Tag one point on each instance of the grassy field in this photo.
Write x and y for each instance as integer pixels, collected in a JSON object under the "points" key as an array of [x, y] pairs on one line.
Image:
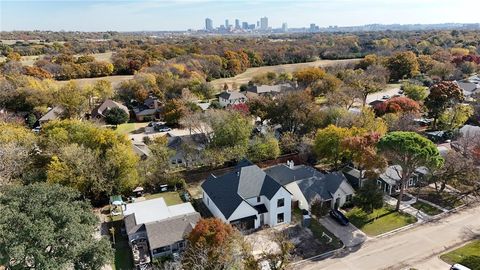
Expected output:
{"points": [[251, 72], [29, 60], [115, 80], [380, 221], [468, 255], [427, 208], [171, 198]]}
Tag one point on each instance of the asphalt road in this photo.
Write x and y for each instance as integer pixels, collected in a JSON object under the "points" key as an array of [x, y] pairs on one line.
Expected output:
{"points": [[418, 247]]}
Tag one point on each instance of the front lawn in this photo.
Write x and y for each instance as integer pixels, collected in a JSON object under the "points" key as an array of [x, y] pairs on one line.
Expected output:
{"points": [[442, 199], [171, 197], [129, 127], [380, 221], [426, 208], [468, 255]]}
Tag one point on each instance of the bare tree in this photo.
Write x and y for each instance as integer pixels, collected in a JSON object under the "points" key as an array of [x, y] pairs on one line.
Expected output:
{"points": [[13, 161]]}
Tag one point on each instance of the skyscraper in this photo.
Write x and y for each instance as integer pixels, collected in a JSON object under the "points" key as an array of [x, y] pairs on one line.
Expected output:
{"points": [[264, 23], [208, 24], [284, 27], [245, 25], [237, 24], [226, 24]]}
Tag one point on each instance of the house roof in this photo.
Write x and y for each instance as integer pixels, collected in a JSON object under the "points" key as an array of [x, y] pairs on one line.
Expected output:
{"points": [[107, 105], [468, 87], [264, 89], [230, 190], [470, 131], [171, 230], [285, 175], [141, 149], [175, 142], [53, 114], [324, 186], [232, 95], [145, 112], [154, 210]]}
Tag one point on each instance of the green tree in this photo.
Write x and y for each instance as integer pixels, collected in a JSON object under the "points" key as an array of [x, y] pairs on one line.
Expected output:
{"points": [[74, 146], [174, 111], [116, 116], [410, 151], [455, 117], [46, 226], [415, 91], [263, 148], [73, 99], [367, 82], [442, 96], [369, 197], [231, 129]]}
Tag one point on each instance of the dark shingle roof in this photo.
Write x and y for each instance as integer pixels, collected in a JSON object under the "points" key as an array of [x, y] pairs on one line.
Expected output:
{"points": [[285, 175], [322, 186], [171, 230], [229, 190]]}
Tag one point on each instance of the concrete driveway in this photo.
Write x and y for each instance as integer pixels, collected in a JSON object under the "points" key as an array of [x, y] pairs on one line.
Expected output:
{"points": [[350, 235]]}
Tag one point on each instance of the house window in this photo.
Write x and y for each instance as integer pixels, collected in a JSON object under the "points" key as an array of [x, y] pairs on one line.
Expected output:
{"points": [[208, 201], [161, 250], [258, 199], [280, 218], [181, 244], [280, 202], [349, 198]]}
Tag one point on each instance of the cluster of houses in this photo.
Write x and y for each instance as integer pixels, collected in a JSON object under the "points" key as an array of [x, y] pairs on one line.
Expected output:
{"points": [[230, 98]]}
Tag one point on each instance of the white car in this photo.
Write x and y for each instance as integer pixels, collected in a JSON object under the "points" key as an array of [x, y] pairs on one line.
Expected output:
{"points": [[386, 97]]}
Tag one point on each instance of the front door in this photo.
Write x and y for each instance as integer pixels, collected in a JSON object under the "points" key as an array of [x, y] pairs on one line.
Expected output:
{"points": [[337, 203], [262, 219]]}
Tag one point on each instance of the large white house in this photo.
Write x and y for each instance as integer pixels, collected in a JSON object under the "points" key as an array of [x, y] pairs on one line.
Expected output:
{"points": [[247, 198], [230, 98]]}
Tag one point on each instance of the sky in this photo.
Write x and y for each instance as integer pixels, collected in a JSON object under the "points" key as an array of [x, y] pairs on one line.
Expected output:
{"points": [[161, 15]]}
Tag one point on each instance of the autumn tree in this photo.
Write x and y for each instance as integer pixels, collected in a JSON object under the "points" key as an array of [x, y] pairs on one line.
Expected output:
{"points": [[46, 226], [73, 99], [367, 82], [442, 96], [409, 151], [328, 143], [259, 106], [455, 117], [279, 260], [397, 105], [231, 129], [214, 244], [116, 116], [402, 65], [174, 111]]}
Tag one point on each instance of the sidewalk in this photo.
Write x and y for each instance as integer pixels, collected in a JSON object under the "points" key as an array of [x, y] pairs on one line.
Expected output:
{"points": [[407, 208]]}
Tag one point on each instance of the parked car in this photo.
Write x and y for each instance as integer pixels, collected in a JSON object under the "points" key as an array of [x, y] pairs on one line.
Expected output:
{"points": [[162, 128], [386, 97], [458, 266], [36, 129], [401, 92], [339, 217]]}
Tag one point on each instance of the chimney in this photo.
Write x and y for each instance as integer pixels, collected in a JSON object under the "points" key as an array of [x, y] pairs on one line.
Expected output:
{"points": [[290, 164]]}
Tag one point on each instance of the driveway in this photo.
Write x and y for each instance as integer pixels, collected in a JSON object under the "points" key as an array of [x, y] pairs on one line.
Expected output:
{"points": [[379, 95], [410, 248], [350, 235]]}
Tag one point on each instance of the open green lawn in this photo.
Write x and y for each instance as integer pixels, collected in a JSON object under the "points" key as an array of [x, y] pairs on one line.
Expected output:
{"points": [[468, 255], [129, 127], [171, 198], [427, 208], [380, 221]]}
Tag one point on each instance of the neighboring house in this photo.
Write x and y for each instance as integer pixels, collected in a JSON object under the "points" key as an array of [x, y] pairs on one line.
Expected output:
{"points": [[229, 98], [54, 113], [149, 110], [156, 230], [353, 177], [308, 185], [247, 198], [469, 88], [268, 90], [188, 148], [101, 110], [389, 181], [141, 149], [468, 139]]}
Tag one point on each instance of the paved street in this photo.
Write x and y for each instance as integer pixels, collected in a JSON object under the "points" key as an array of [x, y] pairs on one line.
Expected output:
{"points": [[417, 247]]}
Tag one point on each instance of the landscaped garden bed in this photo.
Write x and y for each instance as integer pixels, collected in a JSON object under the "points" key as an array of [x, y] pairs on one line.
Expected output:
{"points": [[443, 199], [379, 221]]}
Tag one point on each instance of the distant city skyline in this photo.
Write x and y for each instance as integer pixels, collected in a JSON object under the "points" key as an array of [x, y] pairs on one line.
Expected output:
{"points": [[141, 15]]}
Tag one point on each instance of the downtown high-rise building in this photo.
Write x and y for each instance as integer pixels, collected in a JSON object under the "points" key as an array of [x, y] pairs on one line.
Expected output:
{"points": [[237, 24], [284, 27], [264, 23], [208, 24], [227, 25]]}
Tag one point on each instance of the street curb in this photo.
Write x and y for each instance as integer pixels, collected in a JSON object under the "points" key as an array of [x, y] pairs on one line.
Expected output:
{"points": [[323, 256]]}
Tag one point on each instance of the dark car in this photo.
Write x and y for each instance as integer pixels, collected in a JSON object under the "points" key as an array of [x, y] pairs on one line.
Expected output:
{"points": [[339, 217]]}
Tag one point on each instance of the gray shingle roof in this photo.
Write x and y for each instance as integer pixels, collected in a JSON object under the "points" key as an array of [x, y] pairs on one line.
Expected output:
{"points": [[232, 95], [171, 230], [322, 186], [108, 104], [285, 175], [229, 190]]}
